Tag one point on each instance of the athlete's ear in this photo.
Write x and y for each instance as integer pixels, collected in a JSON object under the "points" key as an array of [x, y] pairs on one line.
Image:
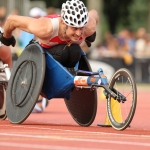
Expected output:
{"points": [[62, 22], [64, 26]]}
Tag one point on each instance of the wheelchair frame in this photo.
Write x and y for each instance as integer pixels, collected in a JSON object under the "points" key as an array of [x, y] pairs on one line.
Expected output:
{"points": [[82, 111], [4, 78]]}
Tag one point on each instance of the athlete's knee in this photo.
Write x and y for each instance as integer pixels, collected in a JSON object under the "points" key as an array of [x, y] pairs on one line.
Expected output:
{"points": [[59, 53], [68, 56], [74, 55]]}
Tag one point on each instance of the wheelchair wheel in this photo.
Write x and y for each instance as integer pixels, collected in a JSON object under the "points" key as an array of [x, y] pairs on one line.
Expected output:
{"points": [[121, 112], [82, 104], [25, 83], [3, 115]]}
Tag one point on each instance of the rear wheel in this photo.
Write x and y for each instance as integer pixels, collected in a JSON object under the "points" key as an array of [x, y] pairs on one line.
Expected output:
{"points": [[121, 111]]}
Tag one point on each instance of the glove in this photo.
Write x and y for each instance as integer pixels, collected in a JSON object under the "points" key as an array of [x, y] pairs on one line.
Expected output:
{"points": [[90, 39], [7, 41], [88, 43]]}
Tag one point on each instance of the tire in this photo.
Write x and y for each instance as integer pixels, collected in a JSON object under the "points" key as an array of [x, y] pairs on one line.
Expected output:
{"points": [[82, 104], [25, 84], [122, 81]]}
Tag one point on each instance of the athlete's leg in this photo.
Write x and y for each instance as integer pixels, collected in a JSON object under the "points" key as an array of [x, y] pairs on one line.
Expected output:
{"points": [[68, 56], [74, 55], [40, 105], [59, 53]]}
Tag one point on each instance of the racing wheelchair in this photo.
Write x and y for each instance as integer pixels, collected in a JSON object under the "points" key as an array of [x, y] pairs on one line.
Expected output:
{"points": [[4, 78], [37, 72]]}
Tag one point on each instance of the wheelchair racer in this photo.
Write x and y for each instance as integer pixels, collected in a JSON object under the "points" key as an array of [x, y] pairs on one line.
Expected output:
{"points": [[61, 35]]}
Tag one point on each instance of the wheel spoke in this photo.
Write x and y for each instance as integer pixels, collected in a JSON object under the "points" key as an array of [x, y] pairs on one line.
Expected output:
{"points": [[123, 83]]}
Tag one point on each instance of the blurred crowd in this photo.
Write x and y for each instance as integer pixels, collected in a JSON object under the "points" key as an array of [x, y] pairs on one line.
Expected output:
{"points": [[126, 45]]}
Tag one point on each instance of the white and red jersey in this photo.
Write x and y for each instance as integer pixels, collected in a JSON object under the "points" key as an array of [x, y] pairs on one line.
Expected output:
{"points": [[55, 40]]}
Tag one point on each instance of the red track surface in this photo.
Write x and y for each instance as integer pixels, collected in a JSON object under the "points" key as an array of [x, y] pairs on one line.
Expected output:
{"points": [[56, 130]]}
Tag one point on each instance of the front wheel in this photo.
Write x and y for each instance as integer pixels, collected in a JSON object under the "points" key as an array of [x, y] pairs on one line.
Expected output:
{"points": [[121, 111]]}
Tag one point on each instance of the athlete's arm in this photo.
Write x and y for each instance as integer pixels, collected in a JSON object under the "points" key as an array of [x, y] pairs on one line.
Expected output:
{"points": [[41, 28], [90, 27]]}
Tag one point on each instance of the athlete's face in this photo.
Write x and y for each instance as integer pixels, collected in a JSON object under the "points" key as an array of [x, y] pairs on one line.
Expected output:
{"points": [[73, 33]]}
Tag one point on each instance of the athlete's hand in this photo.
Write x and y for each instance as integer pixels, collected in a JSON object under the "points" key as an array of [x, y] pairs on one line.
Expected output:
{"points": [[7, 41], [90, 39]]}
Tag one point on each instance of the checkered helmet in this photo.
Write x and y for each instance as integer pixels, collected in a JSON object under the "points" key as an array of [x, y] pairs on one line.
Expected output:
{"points": [[74, 13]]}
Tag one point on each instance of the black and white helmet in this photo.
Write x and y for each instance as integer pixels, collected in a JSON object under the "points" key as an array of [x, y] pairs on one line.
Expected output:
{"points": [[74, 13]]}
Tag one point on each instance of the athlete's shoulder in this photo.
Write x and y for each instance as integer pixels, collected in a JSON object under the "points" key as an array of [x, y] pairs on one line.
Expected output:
{"points": [[53, 16]]}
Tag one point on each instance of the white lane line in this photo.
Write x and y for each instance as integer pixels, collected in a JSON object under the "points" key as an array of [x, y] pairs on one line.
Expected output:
{"points": [[61, 138], [76, 131], [41, 146]]}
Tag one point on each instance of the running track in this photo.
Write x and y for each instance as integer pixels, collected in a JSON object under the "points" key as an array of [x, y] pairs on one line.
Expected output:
{"points": [[56, 130]]}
